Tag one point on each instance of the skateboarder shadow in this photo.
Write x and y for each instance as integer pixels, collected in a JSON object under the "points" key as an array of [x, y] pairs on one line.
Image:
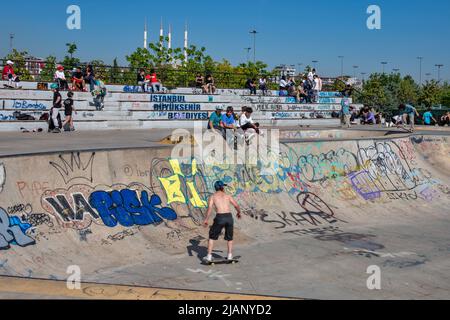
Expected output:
{"points": [[201, 251]]}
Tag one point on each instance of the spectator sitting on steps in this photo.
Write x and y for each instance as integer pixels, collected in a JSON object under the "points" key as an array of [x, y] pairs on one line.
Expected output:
{"points": [[60, 78], [229, 125], [78, 80], [215, 121], [89, 77], [445, 120], [141, 80], [209, 86], [9, 75], [251, 85], [154, 83], [200, 81]]}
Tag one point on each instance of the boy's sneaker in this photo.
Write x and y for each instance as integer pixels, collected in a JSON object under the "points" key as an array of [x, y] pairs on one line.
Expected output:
{"points": [[230, 257], [56, 130], [208, 258]]}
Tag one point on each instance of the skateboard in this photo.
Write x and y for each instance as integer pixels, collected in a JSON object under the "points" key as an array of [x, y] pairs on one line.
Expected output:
{"points": [[220, 261], [11, 87]]}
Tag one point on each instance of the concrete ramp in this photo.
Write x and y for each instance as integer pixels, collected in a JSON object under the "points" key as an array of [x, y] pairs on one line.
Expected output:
{"points": [[311, 230]]}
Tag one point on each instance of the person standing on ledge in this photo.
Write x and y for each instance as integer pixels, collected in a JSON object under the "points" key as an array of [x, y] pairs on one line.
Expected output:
{"points": [[224, 219]]}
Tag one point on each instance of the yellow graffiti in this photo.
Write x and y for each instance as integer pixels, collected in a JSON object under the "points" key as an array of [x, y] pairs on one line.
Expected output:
{"points": [[172, 186]]}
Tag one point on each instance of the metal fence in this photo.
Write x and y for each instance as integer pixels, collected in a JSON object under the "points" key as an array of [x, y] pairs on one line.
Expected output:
{"points": [[170, 76]]}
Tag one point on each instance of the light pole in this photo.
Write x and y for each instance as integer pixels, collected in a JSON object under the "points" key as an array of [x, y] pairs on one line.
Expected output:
{"points": [[439, 66], [396, 70], [420, 69], [254, 32], [363, 74], [11, 39], [384, 63], [248, 53], [299, 68], [428, 75], [315, 63], [354, 71], [342, 66]]}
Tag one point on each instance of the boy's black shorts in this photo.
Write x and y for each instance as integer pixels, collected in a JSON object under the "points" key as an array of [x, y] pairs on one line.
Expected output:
{"points": [[222, 221]]}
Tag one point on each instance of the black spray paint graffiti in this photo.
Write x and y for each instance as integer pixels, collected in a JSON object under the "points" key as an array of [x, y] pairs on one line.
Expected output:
{"points": [[316, 213], [12, 231], [66, 212], [75, 169]]}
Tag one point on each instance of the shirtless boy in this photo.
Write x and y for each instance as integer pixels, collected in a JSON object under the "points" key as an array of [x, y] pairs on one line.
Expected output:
{"points": [[224, 219]]}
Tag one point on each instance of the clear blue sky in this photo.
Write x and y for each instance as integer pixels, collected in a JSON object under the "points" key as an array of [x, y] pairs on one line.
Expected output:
{"points": [[298, 31]]}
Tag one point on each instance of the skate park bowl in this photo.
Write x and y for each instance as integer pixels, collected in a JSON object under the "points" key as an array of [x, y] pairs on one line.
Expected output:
{"points": [[330, 207]]}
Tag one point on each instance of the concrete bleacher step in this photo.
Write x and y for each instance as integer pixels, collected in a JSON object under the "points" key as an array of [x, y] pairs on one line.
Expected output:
{"points": [[180, 108]]}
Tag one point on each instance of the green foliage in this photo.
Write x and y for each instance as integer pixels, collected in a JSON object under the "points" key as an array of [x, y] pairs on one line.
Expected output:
{"points": [[431, 93], [70, 61], [18, 57], [100, 69], [115, 76], [408, 91], [49, 69]]}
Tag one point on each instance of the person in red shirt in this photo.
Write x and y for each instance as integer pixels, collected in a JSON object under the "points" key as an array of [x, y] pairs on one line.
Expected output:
{"points": [[154, 82], [9, 75]]}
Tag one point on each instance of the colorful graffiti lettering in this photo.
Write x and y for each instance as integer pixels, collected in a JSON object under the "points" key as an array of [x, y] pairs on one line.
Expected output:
{"points": [[124, 207]]}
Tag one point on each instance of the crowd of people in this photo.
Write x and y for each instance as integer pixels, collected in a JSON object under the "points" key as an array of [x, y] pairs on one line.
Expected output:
{"points": [[229, 124], [307, 91]]}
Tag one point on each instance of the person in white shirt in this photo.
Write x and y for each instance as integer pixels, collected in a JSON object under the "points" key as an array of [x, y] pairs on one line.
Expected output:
{"points": [[60, 78], [317, 87], [311, 75], [263, 85], [246, 121], [283, 84]]}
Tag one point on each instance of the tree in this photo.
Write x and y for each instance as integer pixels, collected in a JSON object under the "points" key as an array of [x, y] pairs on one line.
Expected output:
{"points": [[48, 71], [18, 57], [71, 49], [69, 61], [430, 94], [99, 69], [409, 91]]}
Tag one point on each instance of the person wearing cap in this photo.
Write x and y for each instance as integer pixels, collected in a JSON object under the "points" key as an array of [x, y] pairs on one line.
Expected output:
{"points": [[215, 121], [60, 78], [9, 75], [224, 219], [54, 111]]}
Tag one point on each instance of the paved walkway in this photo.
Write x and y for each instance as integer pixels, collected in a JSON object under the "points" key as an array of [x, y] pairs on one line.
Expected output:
{"points": [[20, 288]]}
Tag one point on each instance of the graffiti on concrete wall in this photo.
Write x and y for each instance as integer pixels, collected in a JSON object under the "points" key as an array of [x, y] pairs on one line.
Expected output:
{"points": [[127, 208], [74, 168], [13, 231]]}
